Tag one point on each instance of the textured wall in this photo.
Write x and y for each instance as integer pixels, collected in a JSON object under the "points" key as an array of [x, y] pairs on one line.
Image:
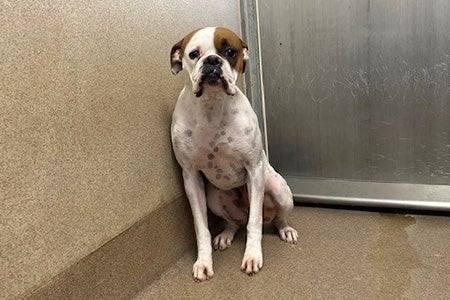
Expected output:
{"points": [[86, 96]]}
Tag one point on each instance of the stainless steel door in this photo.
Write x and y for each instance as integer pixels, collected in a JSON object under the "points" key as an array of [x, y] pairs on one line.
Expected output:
{"points": [[358, 89]]}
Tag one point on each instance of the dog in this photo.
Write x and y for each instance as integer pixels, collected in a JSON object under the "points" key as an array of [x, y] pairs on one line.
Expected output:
{"points": [[215, 135]]}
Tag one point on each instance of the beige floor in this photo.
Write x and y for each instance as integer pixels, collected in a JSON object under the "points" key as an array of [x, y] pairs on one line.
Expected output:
{"points": [[341, 255]]}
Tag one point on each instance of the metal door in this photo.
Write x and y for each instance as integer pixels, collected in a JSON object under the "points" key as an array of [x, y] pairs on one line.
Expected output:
{"points": [[357, 98]]}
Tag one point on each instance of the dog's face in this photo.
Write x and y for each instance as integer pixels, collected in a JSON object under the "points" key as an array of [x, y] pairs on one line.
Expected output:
{"points": [[213, 56]]}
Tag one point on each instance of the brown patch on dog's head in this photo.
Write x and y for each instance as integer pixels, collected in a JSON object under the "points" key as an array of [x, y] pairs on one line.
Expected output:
{"points": [[177, 52], [231, 47]]}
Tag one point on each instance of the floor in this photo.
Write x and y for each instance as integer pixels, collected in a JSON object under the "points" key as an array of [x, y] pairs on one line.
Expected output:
{"points": [[342, 254]]}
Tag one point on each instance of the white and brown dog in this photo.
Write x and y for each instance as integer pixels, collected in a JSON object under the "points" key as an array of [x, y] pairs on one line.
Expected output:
{"points": [[215, 132]]}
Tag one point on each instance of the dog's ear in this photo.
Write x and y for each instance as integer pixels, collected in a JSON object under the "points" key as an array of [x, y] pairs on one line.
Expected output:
{"points": [[246, 56], [176, 58]]}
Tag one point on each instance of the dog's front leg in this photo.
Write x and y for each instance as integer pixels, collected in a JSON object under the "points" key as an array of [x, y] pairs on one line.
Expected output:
{"points": [[195, 191], [253, 259]]}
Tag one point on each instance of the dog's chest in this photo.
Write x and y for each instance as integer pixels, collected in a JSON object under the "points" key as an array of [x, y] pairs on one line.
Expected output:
{"points": [[219, 137], [218, 153], [218, 148]]}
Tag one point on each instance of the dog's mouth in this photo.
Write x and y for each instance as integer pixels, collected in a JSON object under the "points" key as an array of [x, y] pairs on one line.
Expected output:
{"points": [[213, 77]]}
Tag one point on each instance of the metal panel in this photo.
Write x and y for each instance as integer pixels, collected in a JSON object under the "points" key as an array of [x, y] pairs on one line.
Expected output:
{"points": [[358, 89], [373, 194], [253, 74]]}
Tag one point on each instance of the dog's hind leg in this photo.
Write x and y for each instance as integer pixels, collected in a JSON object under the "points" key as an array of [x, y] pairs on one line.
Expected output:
{"points": [[226, 204], [276, 186]]}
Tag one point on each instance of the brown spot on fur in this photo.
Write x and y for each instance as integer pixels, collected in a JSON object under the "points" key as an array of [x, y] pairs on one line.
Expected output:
{"points": [[242, 199], [226, 212], [224, 39], [269, 209], [238, 203], [177, 64], [229, 216]]}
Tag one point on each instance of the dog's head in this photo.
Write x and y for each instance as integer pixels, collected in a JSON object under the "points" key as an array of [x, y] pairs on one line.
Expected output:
{"points": [[213, 56]]}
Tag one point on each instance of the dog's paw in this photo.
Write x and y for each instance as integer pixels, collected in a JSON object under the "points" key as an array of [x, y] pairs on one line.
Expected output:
{"points": [[252, 263], [202, 270], [223, 240], [288, 234]]}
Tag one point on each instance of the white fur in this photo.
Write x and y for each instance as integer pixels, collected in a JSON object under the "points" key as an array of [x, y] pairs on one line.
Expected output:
{"points": [[218, 134]]}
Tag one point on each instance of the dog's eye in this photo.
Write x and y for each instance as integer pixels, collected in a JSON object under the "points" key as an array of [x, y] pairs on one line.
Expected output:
{"points": [[194, 54], [231, 53]]}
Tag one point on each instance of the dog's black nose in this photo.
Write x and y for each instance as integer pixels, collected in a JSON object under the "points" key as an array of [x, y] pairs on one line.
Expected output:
{"points": [[213, 60]]}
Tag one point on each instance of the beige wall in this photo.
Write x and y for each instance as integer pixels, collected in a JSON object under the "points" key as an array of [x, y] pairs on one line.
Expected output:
{"points": [[86, 96]]}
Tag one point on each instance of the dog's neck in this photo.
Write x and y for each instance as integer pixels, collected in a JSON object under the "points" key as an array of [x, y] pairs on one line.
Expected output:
{"points": [[213, 106]]}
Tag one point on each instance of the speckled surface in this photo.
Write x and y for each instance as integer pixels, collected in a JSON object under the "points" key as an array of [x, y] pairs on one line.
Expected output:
{"points": [[86, 97], [124, 265], [340, 255]]}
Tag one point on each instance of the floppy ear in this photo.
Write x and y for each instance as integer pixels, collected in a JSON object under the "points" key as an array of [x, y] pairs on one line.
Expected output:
{"points": [[246, 56], [175, 58]]}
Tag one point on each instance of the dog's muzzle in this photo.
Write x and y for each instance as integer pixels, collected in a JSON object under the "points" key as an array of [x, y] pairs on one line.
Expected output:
{"points": [[212, 70], [212, 74]]}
